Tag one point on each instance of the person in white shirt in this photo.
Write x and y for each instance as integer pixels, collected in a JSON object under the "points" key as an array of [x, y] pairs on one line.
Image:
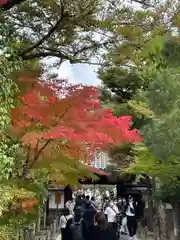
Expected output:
{"points": [[63, 221], [111, 212], [130, 212]]}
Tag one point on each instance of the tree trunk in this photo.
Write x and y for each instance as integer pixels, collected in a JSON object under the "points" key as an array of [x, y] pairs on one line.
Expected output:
{"points": [[160, 218], [176, 220], [161, 213], [150, 223]]}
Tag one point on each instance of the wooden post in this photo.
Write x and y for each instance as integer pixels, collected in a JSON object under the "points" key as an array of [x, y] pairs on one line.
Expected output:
{"points": [[45, 215]]}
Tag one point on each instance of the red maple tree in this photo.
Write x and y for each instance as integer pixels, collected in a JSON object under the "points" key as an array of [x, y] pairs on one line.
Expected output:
{"points": [[68, 118]]}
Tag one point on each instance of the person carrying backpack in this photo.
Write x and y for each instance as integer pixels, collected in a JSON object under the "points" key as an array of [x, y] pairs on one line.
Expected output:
{"points": [[89, 215], [76, 227], [102, 230]]}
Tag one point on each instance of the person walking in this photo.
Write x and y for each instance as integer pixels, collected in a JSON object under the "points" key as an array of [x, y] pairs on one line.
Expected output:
{"points": [[102, 230], [130, 211], [76, 228], [123, 219], [89, 215], [63, 222], [121, 205], [111, 213]]}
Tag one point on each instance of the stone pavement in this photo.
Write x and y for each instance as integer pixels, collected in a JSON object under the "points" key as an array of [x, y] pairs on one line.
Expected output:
{"points": [[123, 237]]}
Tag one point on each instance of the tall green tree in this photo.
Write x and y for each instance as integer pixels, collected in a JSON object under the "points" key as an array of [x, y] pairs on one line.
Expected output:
{"points": [[136, 51], [160, 160], [61, 29], [77, 30]]}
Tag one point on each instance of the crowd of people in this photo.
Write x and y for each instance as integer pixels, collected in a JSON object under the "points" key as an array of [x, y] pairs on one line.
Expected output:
{"points": [[82, 220]]}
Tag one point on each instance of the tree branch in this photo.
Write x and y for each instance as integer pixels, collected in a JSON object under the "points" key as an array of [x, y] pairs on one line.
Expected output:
{"points": [[143, 2], [39, 153], [43, 39], [36, 149], [39, 55], [25, 165], [50, 52], [48, 141], [66, 110], [92, 46], [10, 138]]}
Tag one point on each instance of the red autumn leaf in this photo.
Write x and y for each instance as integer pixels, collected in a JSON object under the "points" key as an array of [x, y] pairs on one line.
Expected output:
{"points": [[71, 114]]}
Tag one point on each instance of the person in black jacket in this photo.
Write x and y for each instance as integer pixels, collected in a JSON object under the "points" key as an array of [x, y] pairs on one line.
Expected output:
{"points": [[130, 212], [101, 230], [89, 215], [76, 227]]}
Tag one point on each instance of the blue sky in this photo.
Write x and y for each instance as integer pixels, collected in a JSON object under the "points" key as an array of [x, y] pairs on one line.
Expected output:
{"points": [[79, 73]]}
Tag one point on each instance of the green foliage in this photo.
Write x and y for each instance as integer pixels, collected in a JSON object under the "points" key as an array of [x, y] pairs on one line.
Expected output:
{"points": [[11, 152], [68, 33], [12, 192], [165, 171], [71, 27], [147, 163], [160, 156], [153, 47], [171, 52], [8, 90], [121, 81], [59, 169], [163, 100], [121, 156], [146, 87], [164, 92]]}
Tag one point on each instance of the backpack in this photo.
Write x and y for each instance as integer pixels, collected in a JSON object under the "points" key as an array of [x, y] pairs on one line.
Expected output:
{"points": [[77, 230]]}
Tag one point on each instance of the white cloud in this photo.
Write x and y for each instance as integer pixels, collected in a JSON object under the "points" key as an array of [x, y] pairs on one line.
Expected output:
{"points": [[78, 73], [65, 71]]}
